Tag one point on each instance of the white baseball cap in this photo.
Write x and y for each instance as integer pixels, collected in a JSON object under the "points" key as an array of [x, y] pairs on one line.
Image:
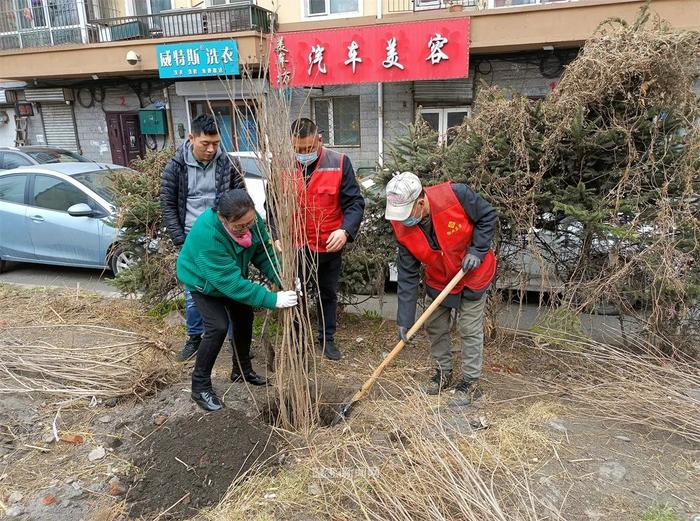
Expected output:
{"points": [[401, 192]]}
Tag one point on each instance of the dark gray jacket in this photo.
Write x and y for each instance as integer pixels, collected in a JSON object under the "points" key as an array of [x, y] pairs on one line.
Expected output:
{"points": [[485, 221], [173, 190]]}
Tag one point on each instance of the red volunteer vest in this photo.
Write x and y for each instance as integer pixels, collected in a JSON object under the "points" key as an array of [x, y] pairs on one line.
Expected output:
{"points": [[453, 230], [319, 201]]}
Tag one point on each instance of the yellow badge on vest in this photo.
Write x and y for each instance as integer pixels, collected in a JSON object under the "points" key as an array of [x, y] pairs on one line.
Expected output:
{"points": [[453, 227]]}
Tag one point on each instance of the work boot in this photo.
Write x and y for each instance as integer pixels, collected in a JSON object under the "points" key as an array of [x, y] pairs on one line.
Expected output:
{"points": [[245, 373], [438, 383], [329, 350], [191, 347], [465, 393], [208, 401]]}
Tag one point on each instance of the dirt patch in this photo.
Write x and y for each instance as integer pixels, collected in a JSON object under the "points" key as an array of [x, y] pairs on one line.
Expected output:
{"points": [[329, 400], [195, 460]]}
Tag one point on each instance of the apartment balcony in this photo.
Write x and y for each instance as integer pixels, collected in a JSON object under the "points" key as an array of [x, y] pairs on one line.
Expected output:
{"points": [[406, 6], [43, 23], [185, 22], [48, 23]]}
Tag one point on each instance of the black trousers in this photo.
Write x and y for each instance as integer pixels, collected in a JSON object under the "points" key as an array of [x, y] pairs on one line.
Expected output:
{"points": [[216, 312], [328, 266]]}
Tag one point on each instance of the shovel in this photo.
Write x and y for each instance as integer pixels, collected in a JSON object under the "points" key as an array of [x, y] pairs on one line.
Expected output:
{"points": [[367, 386]]}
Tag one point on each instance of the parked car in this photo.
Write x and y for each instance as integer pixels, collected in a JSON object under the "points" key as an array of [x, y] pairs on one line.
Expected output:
{"points": [[61, 214], [255, 181], [11, 157]]}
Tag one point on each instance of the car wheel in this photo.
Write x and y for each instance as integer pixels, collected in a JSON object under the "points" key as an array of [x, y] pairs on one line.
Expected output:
{"points": [[122, 258]]}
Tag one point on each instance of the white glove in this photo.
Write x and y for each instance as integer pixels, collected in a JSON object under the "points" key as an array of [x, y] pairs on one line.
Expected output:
{"points": [[298, 287], [286, 299]]}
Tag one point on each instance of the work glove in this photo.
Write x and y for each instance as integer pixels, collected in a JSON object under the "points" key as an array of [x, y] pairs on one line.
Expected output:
{"points": [[470, 262], [298, 287], [286, 299], [403, 335]]}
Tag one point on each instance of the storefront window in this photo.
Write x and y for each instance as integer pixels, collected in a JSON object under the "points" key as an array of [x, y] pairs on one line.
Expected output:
{"points": [[338, 120], [236, 123], [445, 121]]}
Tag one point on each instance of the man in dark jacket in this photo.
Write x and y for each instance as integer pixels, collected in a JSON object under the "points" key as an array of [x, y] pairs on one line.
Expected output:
{"points": [[444, 227], [193, 181]]}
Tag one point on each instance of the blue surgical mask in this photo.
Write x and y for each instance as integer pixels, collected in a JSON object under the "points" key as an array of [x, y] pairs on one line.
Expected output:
{"points": [[307, 159], [411, 221]]}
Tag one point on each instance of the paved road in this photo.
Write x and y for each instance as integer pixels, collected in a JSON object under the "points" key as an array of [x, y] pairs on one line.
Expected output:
{"points": [[600, 327], [37, 275]]}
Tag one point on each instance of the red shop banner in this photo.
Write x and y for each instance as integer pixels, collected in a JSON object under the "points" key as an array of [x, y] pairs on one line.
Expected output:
{"points": [[426, 50]]}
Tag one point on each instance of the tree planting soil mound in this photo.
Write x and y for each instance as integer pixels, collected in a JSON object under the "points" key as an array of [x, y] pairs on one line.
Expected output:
{"points": [[213, 450]]}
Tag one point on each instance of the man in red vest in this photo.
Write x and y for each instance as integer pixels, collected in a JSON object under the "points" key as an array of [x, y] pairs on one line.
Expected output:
{"points": [[444, 227], [332, 206]]}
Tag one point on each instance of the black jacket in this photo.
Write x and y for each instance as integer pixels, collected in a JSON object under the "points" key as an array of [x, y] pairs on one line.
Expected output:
{"points": [[485, 220], [173, 190]]}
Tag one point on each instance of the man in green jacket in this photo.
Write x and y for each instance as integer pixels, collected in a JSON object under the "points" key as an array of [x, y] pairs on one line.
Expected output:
{"points": [[213, 265]]}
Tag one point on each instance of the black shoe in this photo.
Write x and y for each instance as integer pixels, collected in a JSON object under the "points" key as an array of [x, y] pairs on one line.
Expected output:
{"points": [[329, 350], [465, 393], [438, 382], [208, 401], [191, 347], [250, 377]]}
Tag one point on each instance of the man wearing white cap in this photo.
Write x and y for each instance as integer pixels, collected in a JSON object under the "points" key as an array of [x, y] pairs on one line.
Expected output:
{"points": [[445, 228]]}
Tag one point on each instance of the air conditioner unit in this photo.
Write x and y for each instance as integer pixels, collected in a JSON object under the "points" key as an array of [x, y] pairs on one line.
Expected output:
{"points": [[7, 97], [182, 22], [48, 94]]}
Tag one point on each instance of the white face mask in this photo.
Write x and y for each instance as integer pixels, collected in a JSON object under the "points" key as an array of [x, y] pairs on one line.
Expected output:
{"points": [[307, 159]]}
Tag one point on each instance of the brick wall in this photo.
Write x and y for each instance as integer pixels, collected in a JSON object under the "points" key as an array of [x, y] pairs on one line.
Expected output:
{"points": [[521, 75], [366, 154], [92, 123], [178, 108], [399, 112]]}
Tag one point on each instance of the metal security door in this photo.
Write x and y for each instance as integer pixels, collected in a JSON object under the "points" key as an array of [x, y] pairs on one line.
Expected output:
{"points": [[59, 126]]}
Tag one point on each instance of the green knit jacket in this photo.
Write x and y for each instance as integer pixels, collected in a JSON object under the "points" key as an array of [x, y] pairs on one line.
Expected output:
{"points": [[212, 263]]}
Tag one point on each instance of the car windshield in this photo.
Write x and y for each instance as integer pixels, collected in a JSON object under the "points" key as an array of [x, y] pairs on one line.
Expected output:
{"points": [[250, 166], [54, 156], [102, 182]]}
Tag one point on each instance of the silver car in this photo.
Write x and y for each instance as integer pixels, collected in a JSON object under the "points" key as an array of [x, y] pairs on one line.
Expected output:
{"points": [[12, 157], [61, 214]]}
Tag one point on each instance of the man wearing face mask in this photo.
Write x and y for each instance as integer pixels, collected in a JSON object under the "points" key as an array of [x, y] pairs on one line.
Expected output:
{"points": [[193, 181], [445, 228], [333, 207]]}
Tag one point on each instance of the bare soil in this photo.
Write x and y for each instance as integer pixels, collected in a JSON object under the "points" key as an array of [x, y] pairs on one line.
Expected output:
{"points": [[588, 468], [190, 464]]}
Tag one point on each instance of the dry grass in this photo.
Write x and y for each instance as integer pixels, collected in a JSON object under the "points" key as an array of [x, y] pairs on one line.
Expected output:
{"points": [[69, 345], [109, 511], [636, 385], [400, 459], [79, 361]]}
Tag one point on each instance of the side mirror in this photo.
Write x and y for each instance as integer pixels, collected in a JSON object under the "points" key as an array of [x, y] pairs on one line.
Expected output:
{"points": [[81, 210]]}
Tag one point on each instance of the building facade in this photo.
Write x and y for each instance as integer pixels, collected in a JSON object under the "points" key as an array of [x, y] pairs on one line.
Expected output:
{"points": [[97, 79]]}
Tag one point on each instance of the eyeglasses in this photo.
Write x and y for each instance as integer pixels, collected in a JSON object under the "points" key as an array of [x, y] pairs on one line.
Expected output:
{"points": [[242, 228]]}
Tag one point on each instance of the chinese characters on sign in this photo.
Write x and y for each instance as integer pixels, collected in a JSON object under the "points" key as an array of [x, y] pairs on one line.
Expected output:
{"points": [[378, 53], [196, 59]]}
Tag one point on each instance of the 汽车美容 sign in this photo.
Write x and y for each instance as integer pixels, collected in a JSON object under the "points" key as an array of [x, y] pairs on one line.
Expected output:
{"points": [[425, 50]]}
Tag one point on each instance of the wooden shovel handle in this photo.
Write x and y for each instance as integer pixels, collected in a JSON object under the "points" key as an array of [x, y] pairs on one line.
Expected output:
{"points": [[397, 349]]}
